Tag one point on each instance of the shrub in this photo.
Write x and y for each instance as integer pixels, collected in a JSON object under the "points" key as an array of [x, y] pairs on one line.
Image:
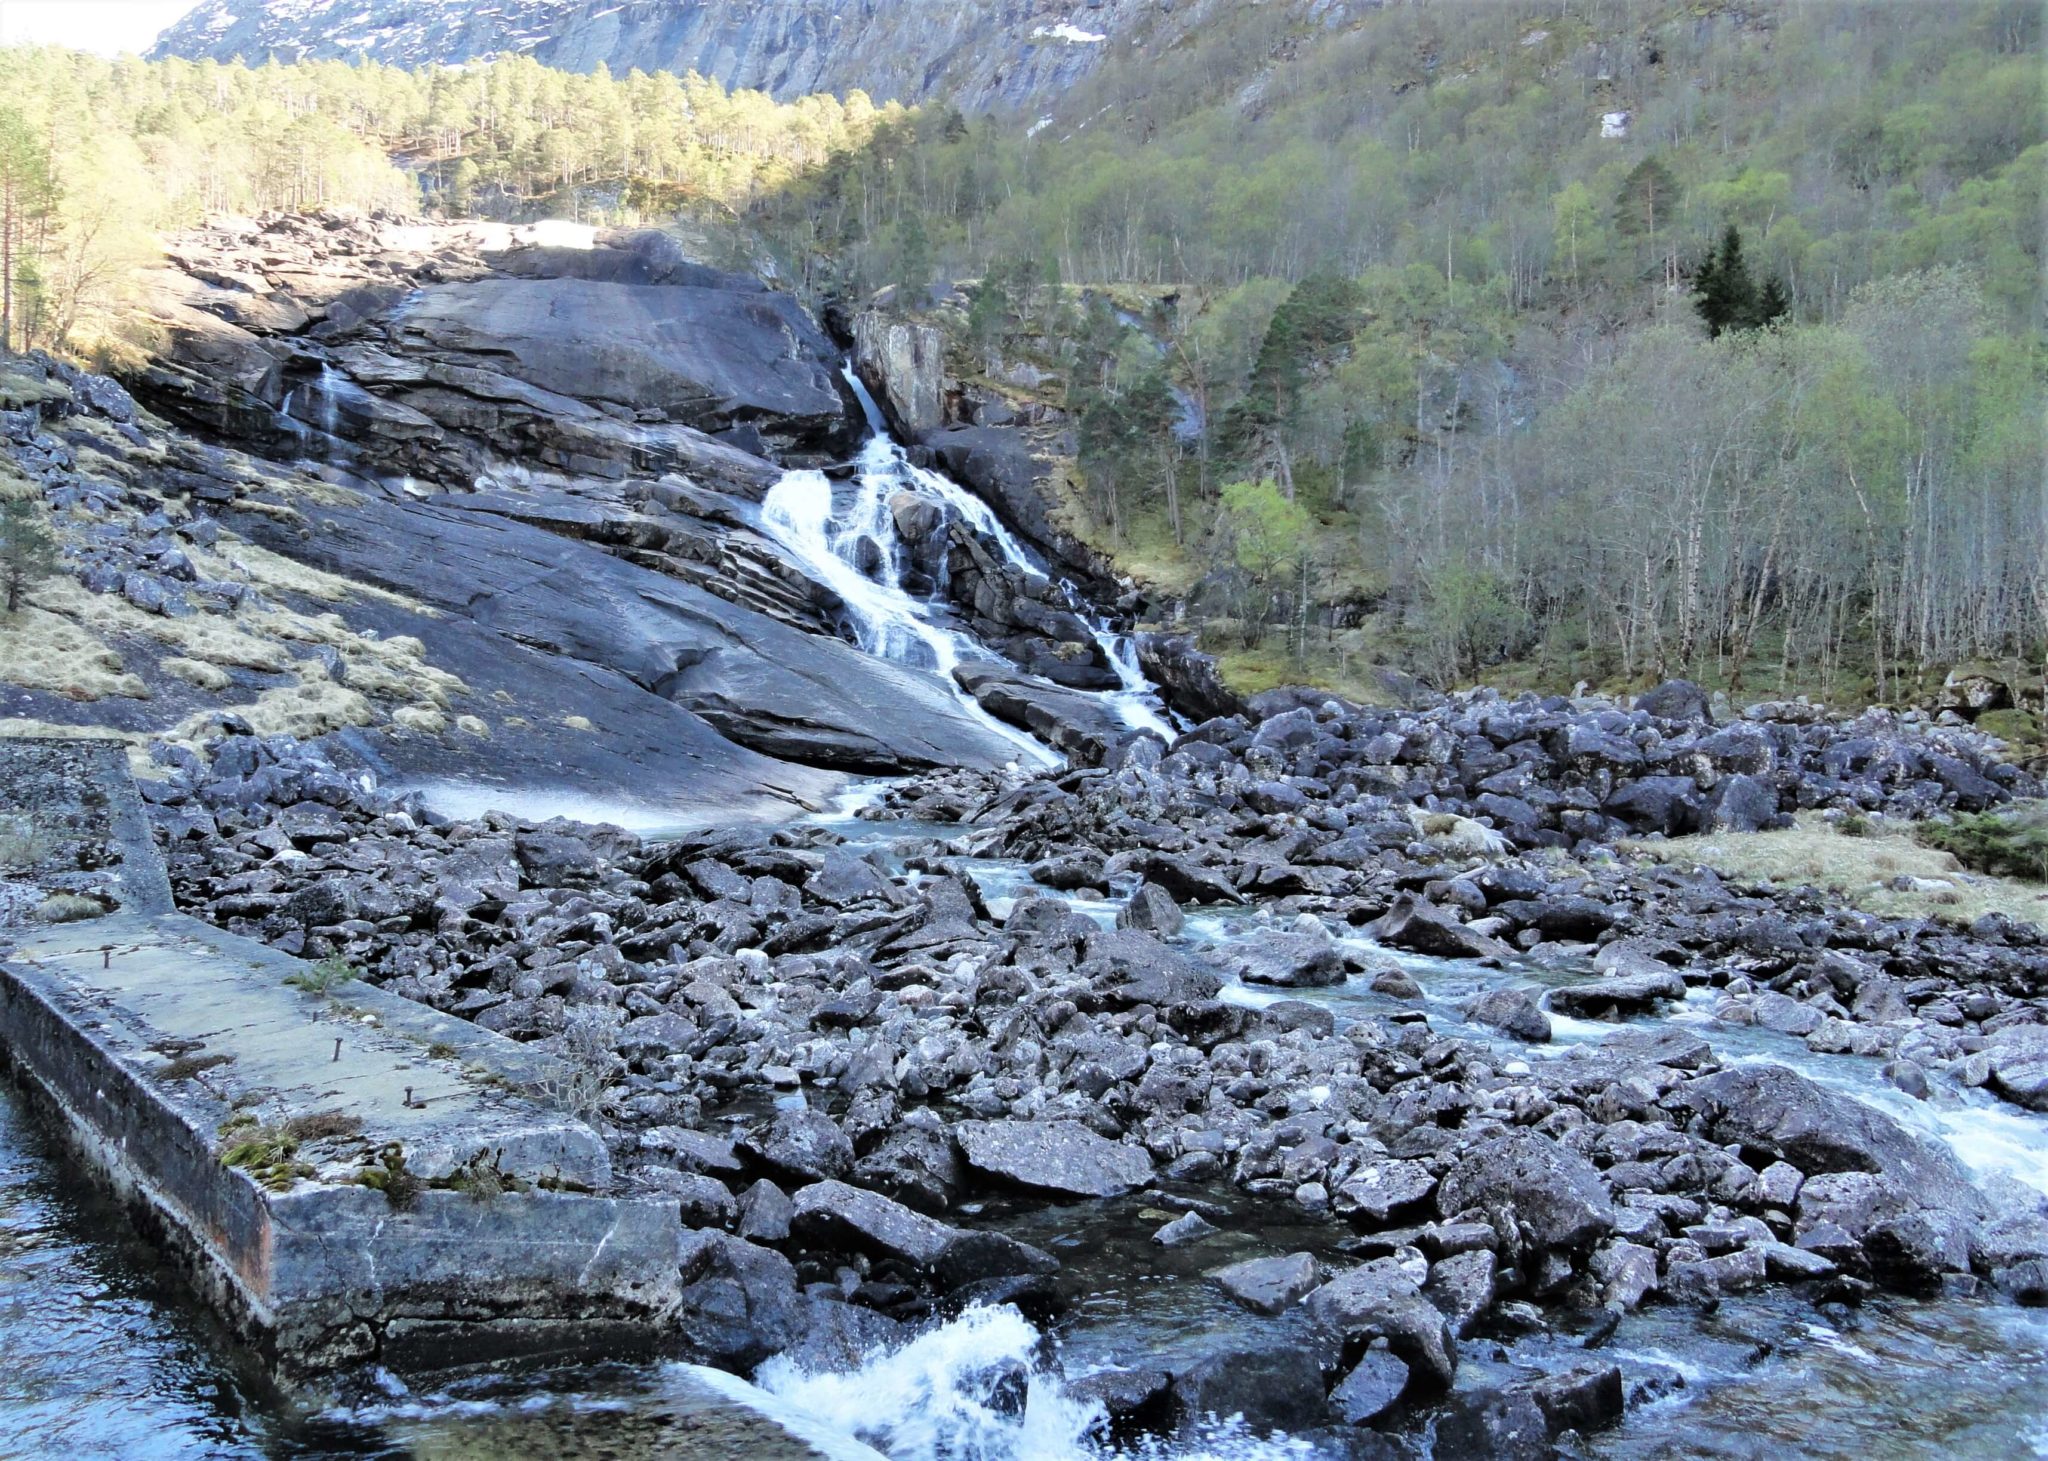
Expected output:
{"points": [[2011, 844], [324, 977]]}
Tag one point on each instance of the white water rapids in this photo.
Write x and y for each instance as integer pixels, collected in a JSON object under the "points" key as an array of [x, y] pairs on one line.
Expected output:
{"points": [[856, 551], [951, 1395]]}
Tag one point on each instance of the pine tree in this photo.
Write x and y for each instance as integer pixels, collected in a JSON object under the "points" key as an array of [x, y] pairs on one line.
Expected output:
{"points": [[27, 551], [913, 259], [1771, 303], [1646, 200], [1724, 292]]}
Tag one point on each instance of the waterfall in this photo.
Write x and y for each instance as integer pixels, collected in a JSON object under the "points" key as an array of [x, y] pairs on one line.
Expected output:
{"points": [[332, 382], [799, 514], [856, 552]]}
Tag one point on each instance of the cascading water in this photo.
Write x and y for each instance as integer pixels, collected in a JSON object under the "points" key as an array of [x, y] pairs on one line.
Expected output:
{"points": [[974, 1389], [858, 554], [332, 382]]}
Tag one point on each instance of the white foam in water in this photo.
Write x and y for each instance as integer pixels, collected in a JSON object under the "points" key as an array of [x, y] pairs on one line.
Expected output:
{"points": [[950, 1394]]}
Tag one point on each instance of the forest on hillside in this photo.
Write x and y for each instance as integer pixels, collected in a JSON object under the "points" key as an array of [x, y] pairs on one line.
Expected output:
{"points": [[1518, 341], [1427, 296], [99, 157]]}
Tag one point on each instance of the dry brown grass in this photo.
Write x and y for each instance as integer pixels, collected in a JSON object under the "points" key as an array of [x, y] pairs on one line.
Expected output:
{"points": [[275, 573], [208, 637], [312, 707], [41, 650], [1859, 870], [209, 677], [425, 719]]}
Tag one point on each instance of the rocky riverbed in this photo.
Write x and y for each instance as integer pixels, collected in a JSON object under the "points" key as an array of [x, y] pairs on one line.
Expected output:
{"points": [[1496, 1078]]}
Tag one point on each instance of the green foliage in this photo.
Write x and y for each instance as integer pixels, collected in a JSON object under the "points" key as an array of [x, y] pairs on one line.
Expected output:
{"points": [[269, 1154], [97, 156], [328, 975], [1267, 536], [2011, 844], [1726, 296], [28, 553]]}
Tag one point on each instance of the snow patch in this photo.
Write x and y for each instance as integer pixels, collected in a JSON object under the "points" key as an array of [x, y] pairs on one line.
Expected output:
{"points": [[1069, 32]]}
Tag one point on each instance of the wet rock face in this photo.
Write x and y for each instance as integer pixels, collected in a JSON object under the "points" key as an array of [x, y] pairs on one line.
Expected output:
{"points": [[1530, 1186], [440, 352], [904, 366], [1785, 1116]]}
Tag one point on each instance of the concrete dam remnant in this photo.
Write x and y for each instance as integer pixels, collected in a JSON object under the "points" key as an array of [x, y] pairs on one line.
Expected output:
{"points": [[345, 1175]]}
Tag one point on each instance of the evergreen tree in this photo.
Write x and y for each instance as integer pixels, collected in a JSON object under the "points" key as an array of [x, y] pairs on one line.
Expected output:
{"points": [[27, 551], [1724, 291], [28, 198], [1771, 303], [1646, 200], [913, 259]]}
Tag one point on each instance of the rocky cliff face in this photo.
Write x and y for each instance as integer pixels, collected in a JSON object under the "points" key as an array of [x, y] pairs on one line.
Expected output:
{"points": [[985, 55], [512, 485]]}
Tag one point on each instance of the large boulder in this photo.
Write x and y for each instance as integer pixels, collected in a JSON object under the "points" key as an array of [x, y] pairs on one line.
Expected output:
{"points": [[1061, 1157], [1130, 967], [1292, 960], [739, 1303], [1550, 1198], [1270, 1285], [1271, 1387], [1424, 928], [1781, 1115], [1680, 700], [707, 357], [1510, 1011]]}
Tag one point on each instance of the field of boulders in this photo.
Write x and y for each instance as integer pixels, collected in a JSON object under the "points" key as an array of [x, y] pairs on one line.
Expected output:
{"points": [[830, 1047]]}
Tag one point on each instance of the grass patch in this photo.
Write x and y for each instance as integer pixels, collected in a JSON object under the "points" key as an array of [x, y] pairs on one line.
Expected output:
{"points": [[322, 1125], [184, 1067], [69, 908], [324, 977], [275, 573], [425, 719], [267, 1153], [1861, 870], [197, 672], [41, 650], [2019, 729], [207, 637], [305, 710], [2007, 844]]}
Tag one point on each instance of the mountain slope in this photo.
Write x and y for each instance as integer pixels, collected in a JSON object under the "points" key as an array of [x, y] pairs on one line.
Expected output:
{"points": [[1004, 52]]}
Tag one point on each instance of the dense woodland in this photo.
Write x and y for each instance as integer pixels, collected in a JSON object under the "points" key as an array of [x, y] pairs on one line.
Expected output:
{"points": [[97, 157], [1476, 345], [1606, 339]]}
